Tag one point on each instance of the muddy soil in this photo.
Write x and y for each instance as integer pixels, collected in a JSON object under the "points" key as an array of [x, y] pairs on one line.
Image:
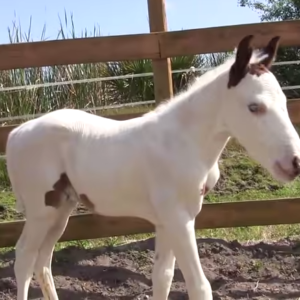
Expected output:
{"points": [[235, 271]]}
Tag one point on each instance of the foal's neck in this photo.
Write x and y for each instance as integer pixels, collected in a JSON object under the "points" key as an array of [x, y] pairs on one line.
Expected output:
{"points": [[197, 115]]}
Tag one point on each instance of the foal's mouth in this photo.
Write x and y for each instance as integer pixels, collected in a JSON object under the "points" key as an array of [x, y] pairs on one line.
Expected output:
{"points": [[284, 174]]}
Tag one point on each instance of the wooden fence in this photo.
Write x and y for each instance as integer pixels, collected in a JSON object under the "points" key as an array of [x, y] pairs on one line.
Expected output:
{"points": [[159, 46]]}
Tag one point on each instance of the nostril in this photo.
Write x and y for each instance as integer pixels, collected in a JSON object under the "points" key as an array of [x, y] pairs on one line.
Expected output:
{"points": [[296, 164]]}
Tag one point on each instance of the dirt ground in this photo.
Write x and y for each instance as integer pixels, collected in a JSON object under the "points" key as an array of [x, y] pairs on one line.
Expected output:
{"points": [[259, 271]]}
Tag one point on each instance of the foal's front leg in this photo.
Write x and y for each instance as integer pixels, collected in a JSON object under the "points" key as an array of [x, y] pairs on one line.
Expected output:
{"points": [[163, 270], [180, 234]]}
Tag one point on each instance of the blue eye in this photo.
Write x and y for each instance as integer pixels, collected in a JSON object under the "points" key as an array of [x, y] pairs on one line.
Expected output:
{"points": [[254, 107]]}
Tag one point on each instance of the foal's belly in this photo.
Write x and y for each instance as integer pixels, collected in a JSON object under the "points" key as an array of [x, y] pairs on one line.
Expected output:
{"points": [[117, 204], [115, 195]]}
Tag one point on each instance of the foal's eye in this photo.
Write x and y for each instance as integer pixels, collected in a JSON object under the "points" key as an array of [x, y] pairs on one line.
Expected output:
{"points": [[254, 107]]}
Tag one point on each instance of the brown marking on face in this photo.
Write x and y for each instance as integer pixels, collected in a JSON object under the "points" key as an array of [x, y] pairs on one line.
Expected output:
{"points": [[53, 198], [257, 69], [87, 202], [252, 69], [156, 256]]}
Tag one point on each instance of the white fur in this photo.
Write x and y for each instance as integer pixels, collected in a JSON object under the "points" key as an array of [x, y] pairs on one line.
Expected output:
{"points": [[151, 167]]}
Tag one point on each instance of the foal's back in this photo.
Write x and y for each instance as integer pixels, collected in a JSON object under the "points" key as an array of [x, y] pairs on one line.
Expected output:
{"points": [[102, 158]]}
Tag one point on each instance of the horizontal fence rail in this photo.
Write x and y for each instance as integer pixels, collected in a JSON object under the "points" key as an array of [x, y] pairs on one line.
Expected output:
{"points": [[218, 215], [225, 38], [143, 46], [77, 51]]}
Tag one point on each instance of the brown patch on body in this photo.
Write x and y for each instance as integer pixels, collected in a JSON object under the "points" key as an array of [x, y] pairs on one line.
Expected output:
{"points": [[87, 202], [204, 190], [53, 198]]}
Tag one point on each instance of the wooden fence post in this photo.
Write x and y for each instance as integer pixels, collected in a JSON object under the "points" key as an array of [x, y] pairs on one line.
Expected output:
{"points": [[163, 85]]}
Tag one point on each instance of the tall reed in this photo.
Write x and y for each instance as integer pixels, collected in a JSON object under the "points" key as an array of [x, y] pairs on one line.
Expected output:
{"points": [[80, 95], [45, 99]]}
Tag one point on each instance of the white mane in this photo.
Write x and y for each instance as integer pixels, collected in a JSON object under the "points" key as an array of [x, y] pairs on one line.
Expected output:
{"points": [[204, 79]]}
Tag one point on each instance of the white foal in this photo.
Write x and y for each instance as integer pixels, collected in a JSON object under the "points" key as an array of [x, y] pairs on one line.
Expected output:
{"points": [[153, 167]]}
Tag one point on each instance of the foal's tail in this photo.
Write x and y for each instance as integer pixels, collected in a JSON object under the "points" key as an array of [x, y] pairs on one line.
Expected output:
{"points": [[12, 168]]}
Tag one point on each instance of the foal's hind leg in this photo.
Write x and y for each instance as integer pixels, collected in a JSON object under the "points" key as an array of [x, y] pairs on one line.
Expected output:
{"points": [[163, 270], [42, 268], [33, 234]]}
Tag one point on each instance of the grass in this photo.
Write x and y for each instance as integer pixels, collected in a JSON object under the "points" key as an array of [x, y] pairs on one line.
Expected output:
{"points": [[241, 179]]}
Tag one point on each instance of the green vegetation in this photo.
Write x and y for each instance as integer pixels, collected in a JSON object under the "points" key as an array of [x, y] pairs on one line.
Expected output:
{"points": [[90, 94]]}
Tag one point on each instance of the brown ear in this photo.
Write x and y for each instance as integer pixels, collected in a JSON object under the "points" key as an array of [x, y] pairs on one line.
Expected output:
{"points": [[241, 65], [271, 50]]}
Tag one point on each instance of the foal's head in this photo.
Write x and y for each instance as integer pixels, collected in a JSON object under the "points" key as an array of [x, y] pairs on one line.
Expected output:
{"points": [[255, 111]]}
